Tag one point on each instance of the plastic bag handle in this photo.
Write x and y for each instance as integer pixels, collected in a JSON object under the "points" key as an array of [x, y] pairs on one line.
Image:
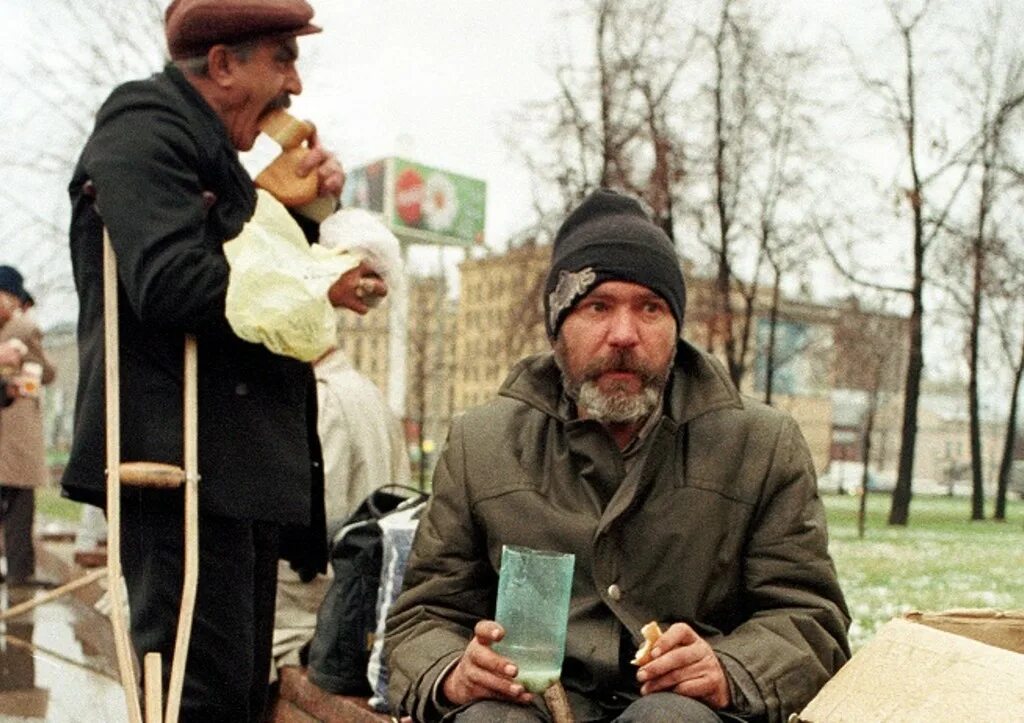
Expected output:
{"points": [[417, 494]]}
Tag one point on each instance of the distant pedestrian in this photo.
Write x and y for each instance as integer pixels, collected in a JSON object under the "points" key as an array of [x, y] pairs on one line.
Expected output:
{"points": [[22, 447]]}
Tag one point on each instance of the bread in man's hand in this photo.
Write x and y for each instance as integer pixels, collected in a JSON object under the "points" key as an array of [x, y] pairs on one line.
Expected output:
{"points": [[651, 633], [280, 177], [283, 182], [287, 130]]}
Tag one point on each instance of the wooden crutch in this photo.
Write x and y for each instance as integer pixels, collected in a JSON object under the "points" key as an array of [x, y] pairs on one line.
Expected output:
{"points": [[152, 475], [558, 703], [88, 579]]}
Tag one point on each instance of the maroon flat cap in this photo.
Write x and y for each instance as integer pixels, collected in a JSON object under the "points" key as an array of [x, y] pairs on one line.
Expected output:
{"points": [[194, 26]]}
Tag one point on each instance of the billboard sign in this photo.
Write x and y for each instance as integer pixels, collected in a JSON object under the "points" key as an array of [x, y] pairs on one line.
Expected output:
{"points": [[420, 203]]}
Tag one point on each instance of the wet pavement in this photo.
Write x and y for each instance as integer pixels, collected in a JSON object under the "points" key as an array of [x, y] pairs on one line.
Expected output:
{"points": [[57, 661]]}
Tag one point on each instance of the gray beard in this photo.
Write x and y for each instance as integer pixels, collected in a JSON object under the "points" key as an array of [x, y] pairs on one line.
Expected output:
{"points": [[618, 406]]}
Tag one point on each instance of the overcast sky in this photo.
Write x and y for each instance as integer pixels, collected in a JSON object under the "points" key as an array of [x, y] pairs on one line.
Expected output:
{"points": [[439, 82]]}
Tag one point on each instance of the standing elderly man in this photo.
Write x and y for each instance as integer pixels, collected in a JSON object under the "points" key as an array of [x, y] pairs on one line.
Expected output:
{"points": [[161, 172], [683, 502], [22, 446]]}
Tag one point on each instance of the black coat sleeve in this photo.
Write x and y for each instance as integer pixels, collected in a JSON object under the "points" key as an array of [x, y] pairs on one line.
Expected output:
{"points": [[143, 165]]}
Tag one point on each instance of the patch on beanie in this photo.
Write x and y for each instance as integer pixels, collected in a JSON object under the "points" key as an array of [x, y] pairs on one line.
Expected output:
{"points": [[571, 285]]}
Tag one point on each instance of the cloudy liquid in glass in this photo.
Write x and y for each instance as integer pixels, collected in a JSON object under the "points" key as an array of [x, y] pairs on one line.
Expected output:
{"points": [[536, 669]]}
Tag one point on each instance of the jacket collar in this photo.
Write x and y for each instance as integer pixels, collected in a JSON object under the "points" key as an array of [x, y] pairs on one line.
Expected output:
{"points": [[699, 384], [196, 101]]}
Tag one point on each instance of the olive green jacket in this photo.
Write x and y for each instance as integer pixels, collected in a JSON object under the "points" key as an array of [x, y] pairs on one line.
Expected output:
{"points": [[721, 528]]}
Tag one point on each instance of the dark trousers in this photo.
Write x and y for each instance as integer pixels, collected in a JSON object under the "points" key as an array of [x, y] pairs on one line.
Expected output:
{"points": [[17, 511], [228, 663], [654, 708]]}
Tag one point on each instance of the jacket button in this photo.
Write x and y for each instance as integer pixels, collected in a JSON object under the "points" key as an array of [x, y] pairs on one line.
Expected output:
{"points": [[615, 592], [241, 389]]}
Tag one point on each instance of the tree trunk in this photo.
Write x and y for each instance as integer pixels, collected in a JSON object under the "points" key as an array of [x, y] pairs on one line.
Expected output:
{"points": [[723, 281], [773, 321], [899, 512], [865, 444], [978, 252], [1006, 463]]}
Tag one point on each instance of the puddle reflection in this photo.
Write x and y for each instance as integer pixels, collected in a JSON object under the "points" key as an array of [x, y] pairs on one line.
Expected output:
{"points": [[57, 663]]}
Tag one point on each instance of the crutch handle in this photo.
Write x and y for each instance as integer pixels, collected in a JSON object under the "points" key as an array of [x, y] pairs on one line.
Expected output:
{"points": [[151, 474]]}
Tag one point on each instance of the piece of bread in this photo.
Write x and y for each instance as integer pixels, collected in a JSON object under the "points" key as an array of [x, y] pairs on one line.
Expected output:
{"points": [[280, 177], [287, 130], [651, 633], [283, 182]]}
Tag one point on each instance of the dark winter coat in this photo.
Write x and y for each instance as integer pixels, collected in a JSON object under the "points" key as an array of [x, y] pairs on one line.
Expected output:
{"points": [[722, 529], [160, 171]]}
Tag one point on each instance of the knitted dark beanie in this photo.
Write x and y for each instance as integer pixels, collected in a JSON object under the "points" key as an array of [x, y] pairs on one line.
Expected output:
{"points": [[609, 237]]}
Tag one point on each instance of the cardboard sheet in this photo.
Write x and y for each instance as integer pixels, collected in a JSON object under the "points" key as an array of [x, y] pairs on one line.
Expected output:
{"points": [[1003, 629], [911, 673]]}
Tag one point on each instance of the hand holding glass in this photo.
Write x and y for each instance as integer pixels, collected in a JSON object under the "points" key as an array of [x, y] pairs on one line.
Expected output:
{"points": [[534, 588]]}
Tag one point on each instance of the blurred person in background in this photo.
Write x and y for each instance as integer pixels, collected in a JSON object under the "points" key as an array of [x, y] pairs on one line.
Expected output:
{"points": [[362, 441], [22, 446], [364, 449]]}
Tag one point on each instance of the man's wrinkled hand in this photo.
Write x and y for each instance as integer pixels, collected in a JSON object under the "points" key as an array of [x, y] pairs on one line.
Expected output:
{"points": [[330, 174], [358, 289], [684, 663], [482, 674]]}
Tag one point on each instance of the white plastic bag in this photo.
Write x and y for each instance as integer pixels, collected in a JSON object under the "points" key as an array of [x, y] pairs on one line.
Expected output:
{"points": [[358, 231], [277, 287]]}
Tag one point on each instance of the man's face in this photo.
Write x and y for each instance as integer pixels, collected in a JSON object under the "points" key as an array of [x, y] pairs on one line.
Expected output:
{"points": [[264, 80], [615, 350]]}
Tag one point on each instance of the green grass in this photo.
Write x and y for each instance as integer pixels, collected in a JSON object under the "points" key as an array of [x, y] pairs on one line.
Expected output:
{"points": [[51, 507], [941, 560]]}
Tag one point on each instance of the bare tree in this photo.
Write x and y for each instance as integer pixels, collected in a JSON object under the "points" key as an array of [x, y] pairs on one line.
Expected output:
{"points": [[59, 89], [1002, 102], [877, 359], [870, 364], [759, 135], [781, 188], [1008, 315], [429, 342], [609, 124], [929, 196], [734, 89], [993, 93]]}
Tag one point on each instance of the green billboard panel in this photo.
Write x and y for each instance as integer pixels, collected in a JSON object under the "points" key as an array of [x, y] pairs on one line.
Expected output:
{"points": [[437, 203], [419, 203]]}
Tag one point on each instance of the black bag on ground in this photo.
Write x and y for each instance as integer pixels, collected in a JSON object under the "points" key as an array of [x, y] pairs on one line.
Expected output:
{"points": [[347, 618]]}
